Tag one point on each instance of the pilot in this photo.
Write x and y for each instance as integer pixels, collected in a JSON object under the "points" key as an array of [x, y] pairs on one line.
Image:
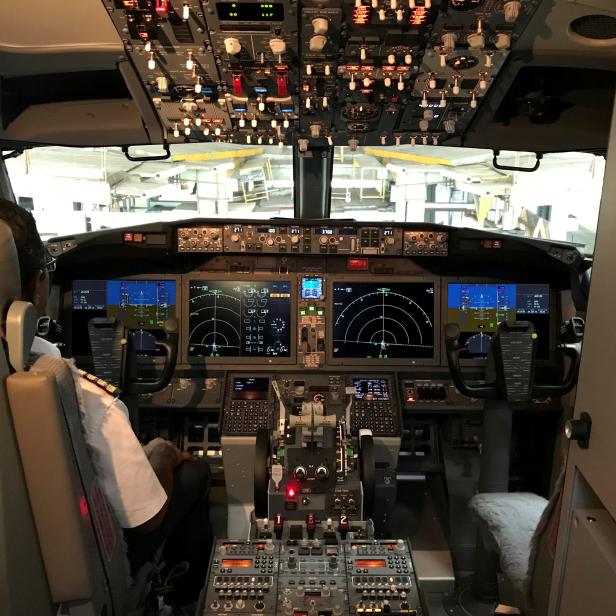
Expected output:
{"points": [[159, 494]]}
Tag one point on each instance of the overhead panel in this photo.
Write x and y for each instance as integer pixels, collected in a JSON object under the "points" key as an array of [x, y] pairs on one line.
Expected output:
{"points": [[348, 72]]}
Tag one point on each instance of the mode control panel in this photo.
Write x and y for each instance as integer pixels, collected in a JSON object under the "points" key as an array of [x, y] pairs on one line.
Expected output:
{"points": [[330, 239], [200, 239], [426, 243]]}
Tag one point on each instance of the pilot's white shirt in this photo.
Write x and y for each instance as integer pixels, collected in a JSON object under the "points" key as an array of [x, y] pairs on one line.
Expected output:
{"points": [[123, 470]]}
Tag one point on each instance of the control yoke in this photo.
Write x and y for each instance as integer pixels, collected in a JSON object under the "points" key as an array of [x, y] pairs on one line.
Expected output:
{"points": [[130, 382], [511, 362]]}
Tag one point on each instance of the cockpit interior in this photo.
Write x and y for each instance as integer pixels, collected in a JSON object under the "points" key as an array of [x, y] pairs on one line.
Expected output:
{"points": [[339, 253]]}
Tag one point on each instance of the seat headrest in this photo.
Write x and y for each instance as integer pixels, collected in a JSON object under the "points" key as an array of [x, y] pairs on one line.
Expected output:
{"points": [[10, 279]]}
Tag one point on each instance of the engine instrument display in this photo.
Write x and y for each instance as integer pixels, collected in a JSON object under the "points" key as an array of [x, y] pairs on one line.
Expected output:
{"points": [[239, 318], [312, 288], [383, 320], [477, 309], [142, 306]]}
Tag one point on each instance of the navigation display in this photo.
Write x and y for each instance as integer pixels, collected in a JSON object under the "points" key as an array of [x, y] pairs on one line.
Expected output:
{"points": [[383, 320], [239, 319], [142, 306], [478, 308]]}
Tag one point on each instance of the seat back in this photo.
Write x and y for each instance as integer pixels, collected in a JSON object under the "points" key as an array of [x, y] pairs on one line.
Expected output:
{"points": [[23, 582], [81, 542]]}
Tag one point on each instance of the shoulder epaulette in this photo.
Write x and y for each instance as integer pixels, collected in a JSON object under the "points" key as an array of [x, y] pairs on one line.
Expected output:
{"points": [[100, 383]]}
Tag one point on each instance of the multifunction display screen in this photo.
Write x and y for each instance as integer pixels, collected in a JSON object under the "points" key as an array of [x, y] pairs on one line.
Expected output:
{"points": [[239, 319], [250, 388], [142, 306], [478, 308], [312, 288], [371, 389], [383, 320]]}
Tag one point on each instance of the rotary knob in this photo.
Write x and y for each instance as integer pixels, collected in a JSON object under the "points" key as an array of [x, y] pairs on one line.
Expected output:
{"points": [[512, 10], [320, 25], [278, 46], [232, 46], [322, 473], [317, 43], [300, 473], [235, 238]]}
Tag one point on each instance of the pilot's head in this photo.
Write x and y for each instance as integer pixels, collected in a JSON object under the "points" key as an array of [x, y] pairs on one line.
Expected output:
{"points": [[35, 263]]}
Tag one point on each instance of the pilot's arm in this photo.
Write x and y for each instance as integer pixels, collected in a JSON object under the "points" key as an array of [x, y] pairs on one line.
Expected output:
{"points": [[136, 480]]}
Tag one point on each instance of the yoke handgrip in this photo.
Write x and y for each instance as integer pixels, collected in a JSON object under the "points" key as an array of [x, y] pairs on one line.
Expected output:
{"points": [[137, 385], [572, 350], [454, 350]]}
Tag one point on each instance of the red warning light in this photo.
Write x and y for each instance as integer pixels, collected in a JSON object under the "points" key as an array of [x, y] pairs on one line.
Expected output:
{"points": [[162, 6], [361, 15], [419, 16], [291, 492]]}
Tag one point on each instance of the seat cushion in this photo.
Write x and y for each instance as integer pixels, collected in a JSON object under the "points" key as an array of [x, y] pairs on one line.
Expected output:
{"points": [[511, 520]]}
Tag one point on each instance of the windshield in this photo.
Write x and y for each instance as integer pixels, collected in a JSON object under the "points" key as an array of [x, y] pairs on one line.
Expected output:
{"points": [[74, 190]]}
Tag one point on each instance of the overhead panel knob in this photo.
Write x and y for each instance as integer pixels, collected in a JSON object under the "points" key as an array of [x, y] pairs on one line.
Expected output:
{"points": [[476, 40], [353, 145], [512, 10], [322, 473], [449, 40], [315, 133], [317, 43], [232, 46], [162, 83], [502, 41], [278, 46], [320, 25]]}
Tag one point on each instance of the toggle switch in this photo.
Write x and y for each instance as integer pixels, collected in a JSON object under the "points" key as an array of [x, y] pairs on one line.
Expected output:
{"points": [[308, 69], [387, 82], [185, 11], [352, 83], [162, 84], [281, 83], [362, 53], [400, 83], [391, 59], [237, 83], [473, 102], [366, 82], [408, 59], [151, 61], [190, 63], [327, 70], [455, 88], [382, 14], [254, 123], [399, 15]]}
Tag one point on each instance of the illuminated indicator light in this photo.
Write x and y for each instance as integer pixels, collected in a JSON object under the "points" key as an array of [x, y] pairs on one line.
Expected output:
{"points": [[128, 237], [138, 237], [253, 122], [355, 264], [534, 336], [176, 131], [162, 6], [311, 308], [320, 313], [291, 492], [217, 131], [187, 131], [419, 16], [185, 11], [83, 508], [306, 87]]}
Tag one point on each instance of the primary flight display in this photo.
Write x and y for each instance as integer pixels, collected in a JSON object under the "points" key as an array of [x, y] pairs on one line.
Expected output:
{"points": [[383, 320], [478, 308]]}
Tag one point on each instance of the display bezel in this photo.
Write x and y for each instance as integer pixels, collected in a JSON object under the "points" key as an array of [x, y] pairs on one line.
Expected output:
{"points": [[555, 317], [68, 309], [237, 361], [396, 361]]}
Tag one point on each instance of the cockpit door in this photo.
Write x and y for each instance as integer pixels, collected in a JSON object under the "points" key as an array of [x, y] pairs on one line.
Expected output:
{"points": [[584, 577]]}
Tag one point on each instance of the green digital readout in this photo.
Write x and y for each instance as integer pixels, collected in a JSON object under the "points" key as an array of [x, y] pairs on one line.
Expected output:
{"points": [[250, 11]]}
